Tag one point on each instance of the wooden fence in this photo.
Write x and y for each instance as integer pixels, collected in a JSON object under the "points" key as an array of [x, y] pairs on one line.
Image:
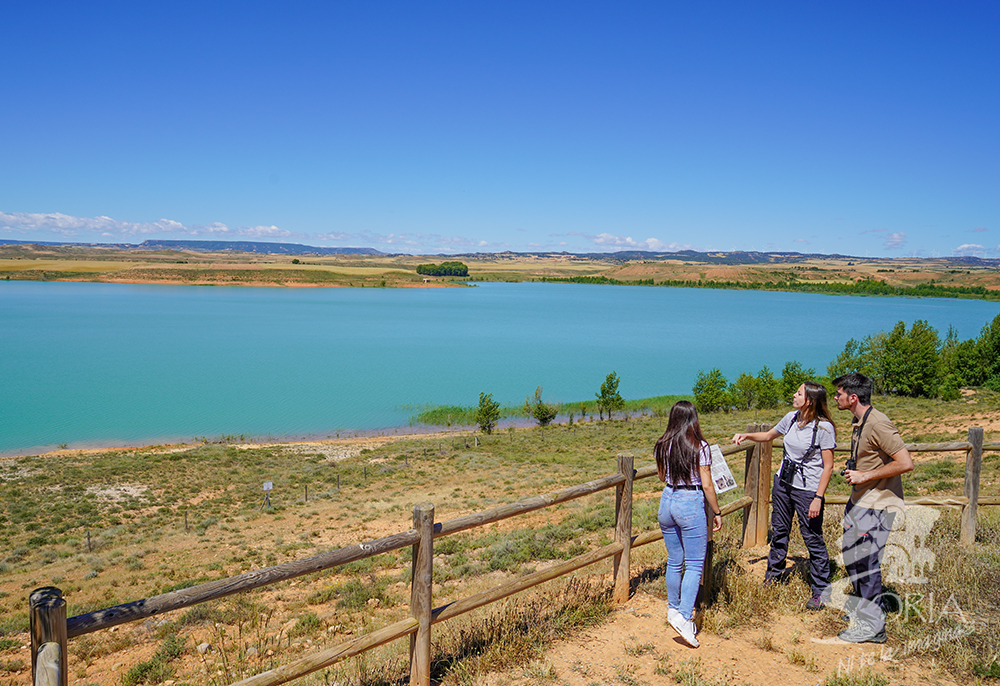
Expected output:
{"points": [[51, 630]]}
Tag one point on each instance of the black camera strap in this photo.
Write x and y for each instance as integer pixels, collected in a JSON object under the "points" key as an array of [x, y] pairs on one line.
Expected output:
{"points": [[800, 466], [856, 437]]}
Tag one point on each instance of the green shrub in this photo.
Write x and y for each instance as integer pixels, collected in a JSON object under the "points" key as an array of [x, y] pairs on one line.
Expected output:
{"points": [[307, 624], [353, 594], [156, 669], [543, 412], [711, 391], [488, 413]]}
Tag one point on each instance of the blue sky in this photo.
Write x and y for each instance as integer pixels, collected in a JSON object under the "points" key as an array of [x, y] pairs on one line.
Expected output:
{"points": [[864, 128]]}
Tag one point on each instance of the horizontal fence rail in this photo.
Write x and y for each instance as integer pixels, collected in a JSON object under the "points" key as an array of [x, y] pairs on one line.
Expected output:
{"points": [[50, 630], [527, 505], [213, 590]]}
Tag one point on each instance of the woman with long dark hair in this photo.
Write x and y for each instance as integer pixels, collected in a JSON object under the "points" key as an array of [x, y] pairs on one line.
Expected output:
{"points": [[684, 464], [800, 484]]}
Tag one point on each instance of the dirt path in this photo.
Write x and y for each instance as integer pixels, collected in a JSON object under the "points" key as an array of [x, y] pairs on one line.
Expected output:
{"points": [[637, 646]]}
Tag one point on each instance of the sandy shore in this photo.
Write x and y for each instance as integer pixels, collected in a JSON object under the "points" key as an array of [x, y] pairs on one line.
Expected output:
{"points": [[333, 448]]}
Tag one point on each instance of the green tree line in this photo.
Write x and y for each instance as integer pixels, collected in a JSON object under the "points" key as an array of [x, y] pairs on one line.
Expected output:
{"points": [[869, 286], [443, 269], [914, 362]]}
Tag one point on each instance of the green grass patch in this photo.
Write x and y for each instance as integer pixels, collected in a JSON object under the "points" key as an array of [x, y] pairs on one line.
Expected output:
{"points": [[158, 668]]}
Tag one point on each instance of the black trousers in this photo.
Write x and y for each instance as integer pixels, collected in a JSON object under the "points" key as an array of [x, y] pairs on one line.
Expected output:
{"points": [[785, 502], [866, 533]]}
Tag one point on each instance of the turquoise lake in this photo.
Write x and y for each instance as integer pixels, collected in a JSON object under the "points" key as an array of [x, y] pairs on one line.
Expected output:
{"points": [[108, 364]]}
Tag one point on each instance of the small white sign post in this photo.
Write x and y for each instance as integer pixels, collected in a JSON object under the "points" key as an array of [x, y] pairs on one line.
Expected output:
{"points": [[267, 495]]}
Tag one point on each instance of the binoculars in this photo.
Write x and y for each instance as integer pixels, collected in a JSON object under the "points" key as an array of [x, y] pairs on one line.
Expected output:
{"points": [[852, 464]]}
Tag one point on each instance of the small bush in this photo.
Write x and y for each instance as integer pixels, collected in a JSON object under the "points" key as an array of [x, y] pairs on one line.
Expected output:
{"points": [[353, 594], [307, 624], [11, 665], [156, 669]]}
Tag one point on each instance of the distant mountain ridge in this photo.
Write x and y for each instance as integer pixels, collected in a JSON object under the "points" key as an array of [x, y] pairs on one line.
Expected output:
{"points": [[720, 257], [254, 247], [710, 257]]}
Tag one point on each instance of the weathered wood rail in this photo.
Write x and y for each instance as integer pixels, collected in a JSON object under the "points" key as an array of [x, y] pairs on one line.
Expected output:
{"points": [[51, 630]]}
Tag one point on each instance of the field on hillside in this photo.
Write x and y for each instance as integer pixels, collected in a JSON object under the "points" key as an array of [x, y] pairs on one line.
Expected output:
{"points": [[249, 269], [114, 526]]}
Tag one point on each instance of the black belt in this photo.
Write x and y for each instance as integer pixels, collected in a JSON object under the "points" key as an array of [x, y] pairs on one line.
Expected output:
{"points": [[684, 487]]}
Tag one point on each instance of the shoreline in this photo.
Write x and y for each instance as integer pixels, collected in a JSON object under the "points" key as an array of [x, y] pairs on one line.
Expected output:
{"points": [[943, 292], [374, 436], [349, 438], [354, 437]]}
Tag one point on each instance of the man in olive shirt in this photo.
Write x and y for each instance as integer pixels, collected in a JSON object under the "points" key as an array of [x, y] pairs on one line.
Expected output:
{"points": [[880, 457]]}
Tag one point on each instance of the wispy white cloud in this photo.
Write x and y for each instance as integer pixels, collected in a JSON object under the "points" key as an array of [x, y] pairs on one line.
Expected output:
{"points": [[978, 229], [654, 244], [895, 241], [333, 236], [264, 232], [968, 250], [68, 227]]}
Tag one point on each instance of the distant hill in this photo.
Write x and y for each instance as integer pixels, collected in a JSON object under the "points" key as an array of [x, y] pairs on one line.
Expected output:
{"points": [[214, 246], [254, 247], [736, 257], [718, 257]]}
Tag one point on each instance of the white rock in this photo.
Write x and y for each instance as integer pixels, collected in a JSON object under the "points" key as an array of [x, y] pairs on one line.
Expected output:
{"points": [[204, 648]]}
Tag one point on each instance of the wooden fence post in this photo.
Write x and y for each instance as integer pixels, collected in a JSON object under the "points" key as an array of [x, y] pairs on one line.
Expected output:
{"points": [[420, 595], [47, 621], [764, 480], [751, 470], [623, 526], [973, 467]]}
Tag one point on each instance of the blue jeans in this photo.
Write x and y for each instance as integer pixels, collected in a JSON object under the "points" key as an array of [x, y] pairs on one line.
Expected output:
{"points": [[685, 533]]}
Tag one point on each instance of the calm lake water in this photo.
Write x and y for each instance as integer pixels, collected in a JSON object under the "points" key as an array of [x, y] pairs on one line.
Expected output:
{"points": [[108, 364]]}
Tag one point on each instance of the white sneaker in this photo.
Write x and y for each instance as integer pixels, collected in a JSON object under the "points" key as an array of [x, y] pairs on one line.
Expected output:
{"points": [[686, 629], [673, 615]]}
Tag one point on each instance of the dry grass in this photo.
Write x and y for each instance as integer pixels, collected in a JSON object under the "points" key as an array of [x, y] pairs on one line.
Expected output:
{"points": [[63, 265]]}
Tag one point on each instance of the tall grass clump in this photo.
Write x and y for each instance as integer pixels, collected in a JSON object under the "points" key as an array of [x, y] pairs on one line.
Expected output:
{"points": [[158, 668], [861, 677], [515, 632]]}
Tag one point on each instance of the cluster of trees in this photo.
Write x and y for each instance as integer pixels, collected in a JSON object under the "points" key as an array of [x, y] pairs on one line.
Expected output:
{"points": [[912, 362], [916, 362], [488, 413], [443, 269], [765, 391]]}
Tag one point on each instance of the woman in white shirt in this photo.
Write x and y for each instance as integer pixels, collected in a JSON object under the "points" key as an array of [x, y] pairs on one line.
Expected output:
{"points": [[800, 485]]}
